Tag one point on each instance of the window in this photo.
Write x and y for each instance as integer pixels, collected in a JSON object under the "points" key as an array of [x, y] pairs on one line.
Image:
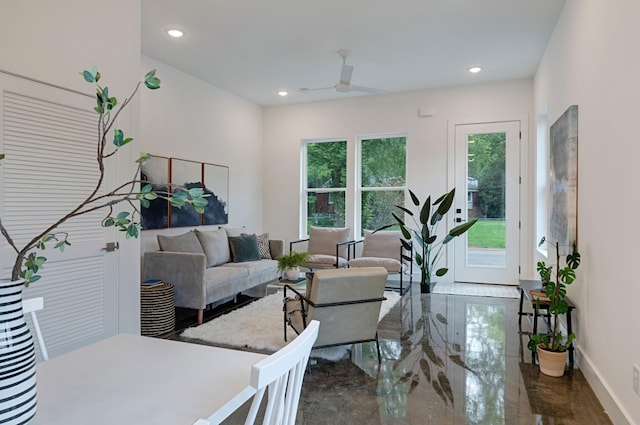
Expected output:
{"points": [[383, 164], [325, 184]]}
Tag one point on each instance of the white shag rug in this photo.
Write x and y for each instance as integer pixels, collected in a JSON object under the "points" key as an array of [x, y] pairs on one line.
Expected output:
{"points": [[475, 290], [260, 326]]}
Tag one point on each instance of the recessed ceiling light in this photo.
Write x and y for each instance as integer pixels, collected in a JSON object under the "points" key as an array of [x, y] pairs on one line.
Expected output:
{"points": [[175, 33], [283, 93], [475, 69]]}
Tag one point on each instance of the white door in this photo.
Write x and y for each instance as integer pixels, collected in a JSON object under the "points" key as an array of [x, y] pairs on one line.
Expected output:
{"points": [[487, 179], [49, 137]]}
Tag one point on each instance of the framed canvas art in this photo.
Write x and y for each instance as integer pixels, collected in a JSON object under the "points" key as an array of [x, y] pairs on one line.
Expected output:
{"points": [[156, 172], [216, 184], [187, 174], [563, 182]]}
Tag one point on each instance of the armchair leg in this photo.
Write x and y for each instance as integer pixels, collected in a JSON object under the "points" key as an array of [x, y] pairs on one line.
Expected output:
{"points": [[378, 348], [200, 316]]}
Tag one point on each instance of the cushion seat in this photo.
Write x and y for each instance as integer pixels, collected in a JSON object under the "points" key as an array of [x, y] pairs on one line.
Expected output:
{"points": [[390, 264], [323, 261]]}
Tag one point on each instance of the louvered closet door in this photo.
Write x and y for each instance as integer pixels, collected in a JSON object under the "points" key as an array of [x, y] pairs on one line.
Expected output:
{"points": [[49, 137]]}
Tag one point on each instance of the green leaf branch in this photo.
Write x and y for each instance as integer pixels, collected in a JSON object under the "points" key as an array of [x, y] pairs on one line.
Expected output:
{"points": [[134, 192]]}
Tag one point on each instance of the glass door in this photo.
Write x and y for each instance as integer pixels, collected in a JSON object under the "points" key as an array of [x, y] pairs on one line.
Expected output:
{"points": [[487, 173]]}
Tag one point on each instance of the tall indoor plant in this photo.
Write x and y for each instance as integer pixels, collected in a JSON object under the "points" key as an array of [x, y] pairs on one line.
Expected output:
{"points": [[552, 347], [425, 234], [17, 365]]}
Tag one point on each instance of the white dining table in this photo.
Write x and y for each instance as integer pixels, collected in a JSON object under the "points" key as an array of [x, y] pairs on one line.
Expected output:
{"points": [[129, 379]]}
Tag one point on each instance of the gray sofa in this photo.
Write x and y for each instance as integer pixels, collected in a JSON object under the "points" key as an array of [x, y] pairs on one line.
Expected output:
{"points": [[209, 266]]}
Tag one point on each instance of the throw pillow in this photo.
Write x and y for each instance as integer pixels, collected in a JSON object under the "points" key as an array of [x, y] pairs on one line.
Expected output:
{"points": [[263, 245], [244, 248], [186, 242], [215, 245]]}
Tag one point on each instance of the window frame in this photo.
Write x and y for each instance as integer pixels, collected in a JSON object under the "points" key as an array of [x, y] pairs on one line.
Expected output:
{"points": [[359, 188], [304, 188]]}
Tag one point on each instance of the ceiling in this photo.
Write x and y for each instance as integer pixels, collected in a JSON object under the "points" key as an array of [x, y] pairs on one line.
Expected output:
{"points": [[254, 48]]}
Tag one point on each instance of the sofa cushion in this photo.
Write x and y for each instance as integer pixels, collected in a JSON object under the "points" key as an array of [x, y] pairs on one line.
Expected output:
{"points": [[244, 248], [323, 240], [263, 245], [215, 246], [186, 242]]}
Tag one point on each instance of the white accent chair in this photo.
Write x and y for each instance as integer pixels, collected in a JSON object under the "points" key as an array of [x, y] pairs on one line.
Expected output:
{"points": [[384, 249], [346, 302], [328, 247], [31, 306], [281, 375]]}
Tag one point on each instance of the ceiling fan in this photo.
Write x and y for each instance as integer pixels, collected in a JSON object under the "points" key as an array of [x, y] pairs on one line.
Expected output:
{"points": [[344, 85]]}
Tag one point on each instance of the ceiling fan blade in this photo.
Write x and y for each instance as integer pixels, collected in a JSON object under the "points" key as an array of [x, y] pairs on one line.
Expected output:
{"points": [[366, 89], [345, 74], [317, 88]]}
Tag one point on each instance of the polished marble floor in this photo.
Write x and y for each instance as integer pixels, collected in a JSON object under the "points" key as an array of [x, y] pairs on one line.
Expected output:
{"points": [[446, 360]]}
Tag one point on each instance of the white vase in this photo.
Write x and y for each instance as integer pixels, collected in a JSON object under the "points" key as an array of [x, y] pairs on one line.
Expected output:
{"points": [[17, 358], [552, 363], [292, 273]]}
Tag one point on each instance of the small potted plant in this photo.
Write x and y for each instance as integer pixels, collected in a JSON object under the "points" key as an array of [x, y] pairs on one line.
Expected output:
{"points": [[290, 262], [552, 347]]}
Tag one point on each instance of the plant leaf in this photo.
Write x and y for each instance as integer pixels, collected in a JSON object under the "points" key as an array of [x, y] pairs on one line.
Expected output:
{"points": [[414, 199]]}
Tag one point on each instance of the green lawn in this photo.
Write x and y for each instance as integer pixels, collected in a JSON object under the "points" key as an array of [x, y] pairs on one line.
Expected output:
{"points": [[487, 233]]}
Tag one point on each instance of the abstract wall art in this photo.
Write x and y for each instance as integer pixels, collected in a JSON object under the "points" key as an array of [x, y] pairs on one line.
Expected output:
{"points": [[156, 172], [168, 173], [563, 182]]}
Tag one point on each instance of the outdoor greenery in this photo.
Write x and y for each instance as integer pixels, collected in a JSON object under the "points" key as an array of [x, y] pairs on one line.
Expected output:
{"points": [[487, 165], [487, 233], [556, 293], [425, 233], [383, 177], [29, 260]]}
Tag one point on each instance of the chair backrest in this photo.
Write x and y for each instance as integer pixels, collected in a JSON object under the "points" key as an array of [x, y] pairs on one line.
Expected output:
{"points": [[354, 297], [384, 244], [31, 306], [281, 374], [323, 240]]}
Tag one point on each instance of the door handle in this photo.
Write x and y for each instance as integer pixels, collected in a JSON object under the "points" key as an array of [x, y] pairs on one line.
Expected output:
{"points": [[459, 220], [111, 246]]}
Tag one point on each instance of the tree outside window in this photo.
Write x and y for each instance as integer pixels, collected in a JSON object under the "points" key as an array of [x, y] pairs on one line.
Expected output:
{"points": [[383, 179], [326, 176]]}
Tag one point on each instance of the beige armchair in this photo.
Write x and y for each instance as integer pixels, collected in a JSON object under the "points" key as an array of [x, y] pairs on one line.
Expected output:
{"points": [[328, 247], [384, 249], [346, 302]]}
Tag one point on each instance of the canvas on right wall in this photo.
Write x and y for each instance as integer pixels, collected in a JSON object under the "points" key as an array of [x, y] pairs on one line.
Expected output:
{"points": [[563, 179]]}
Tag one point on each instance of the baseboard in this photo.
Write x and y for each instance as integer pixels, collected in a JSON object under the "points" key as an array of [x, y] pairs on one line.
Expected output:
{"points": [[612, 407]]}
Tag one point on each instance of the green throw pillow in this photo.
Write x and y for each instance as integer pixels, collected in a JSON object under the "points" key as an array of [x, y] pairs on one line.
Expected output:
{"points": [[244, 248]]}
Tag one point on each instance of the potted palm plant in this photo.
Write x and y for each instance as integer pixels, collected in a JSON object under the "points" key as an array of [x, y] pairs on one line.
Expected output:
{"points": [[290, 263], [29, 258], [552, 347], [425, 234]]}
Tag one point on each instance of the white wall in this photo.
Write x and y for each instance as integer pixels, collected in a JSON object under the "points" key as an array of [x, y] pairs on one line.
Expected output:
{"points": [[592, 61], [427, 138], [52, 41], [190, 119]]}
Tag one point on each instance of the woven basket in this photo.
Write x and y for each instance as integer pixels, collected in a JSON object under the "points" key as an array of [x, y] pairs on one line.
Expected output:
{"points": [[157, 311]]}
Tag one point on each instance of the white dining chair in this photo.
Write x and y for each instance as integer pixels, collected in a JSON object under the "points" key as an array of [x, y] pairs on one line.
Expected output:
{"points": [[281, 376], [31, 306]]}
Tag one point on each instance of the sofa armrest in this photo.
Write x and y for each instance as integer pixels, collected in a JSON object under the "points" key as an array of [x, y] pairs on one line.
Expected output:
{"points": [[185, 271], [276, 247]]}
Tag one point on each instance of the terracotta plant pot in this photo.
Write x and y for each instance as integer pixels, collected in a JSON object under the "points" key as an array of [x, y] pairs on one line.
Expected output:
{"points": [[552, 363]]}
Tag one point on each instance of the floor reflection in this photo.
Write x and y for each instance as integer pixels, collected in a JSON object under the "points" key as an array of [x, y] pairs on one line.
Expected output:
{"points": [[446, 360]]}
